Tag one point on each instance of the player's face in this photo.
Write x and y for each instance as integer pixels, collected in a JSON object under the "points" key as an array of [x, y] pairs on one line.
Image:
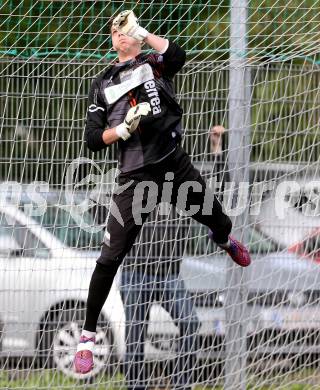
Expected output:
{"points": [[123, 43]]}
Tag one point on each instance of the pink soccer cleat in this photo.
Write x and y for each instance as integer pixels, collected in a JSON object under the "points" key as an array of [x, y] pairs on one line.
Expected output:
{"points": [[238, 253], [83, 360]]}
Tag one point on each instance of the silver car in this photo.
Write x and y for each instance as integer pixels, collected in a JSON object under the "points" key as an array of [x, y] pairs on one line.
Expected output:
{"points": [[44, 285], [45, 280], [282, 300]]}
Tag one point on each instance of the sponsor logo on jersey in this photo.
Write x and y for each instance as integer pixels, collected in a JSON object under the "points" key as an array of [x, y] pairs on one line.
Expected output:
{"points": [[150, 87], [94, 108], [130, 81]]}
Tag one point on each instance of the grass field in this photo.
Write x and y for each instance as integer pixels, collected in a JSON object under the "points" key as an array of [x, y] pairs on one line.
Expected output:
{"points": [[41, 380]]}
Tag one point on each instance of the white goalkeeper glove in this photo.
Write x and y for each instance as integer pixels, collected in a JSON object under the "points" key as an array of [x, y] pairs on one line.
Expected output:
{"points": [[127, 23], [132, 119]]}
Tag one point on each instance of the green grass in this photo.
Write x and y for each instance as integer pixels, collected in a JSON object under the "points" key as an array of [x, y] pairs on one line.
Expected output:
{"points": [[40, 380], [46, 379]]}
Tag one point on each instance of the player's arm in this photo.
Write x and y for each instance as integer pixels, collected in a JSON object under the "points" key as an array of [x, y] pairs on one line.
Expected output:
{"points": [[97, 135], [95, 120], [128, 126], [157, 43], [173, 55]]}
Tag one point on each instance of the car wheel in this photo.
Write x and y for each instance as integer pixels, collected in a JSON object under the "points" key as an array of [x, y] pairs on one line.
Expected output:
{"points": [[60, 339]]}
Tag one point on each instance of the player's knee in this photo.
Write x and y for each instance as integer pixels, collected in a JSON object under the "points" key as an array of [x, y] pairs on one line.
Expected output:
{"points": [[107, 269], [108, 259]]}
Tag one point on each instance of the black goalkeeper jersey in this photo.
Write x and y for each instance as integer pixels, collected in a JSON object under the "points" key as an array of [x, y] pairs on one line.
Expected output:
{"points": [[146, 78]]}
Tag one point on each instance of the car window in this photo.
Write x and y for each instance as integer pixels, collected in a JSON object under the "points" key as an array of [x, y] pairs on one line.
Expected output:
{"points": [[17, 239], [258, 243], [198, 243], [311, 246], [60, 223], [7, 241]]}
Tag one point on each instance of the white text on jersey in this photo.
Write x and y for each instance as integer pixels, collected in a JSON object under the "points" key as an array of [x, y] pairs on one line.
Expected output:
{"points": [[152, 92]]}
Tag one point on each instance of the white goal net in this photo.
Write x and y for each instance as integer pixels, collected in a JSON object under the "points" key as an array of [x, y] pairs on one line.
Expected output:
{"points": [[251, 102]]}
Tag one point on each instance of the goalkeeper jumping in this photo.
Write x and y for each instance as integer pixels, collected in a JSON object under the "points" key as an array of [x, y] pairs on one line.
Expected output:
{"points": [[133, 103]]}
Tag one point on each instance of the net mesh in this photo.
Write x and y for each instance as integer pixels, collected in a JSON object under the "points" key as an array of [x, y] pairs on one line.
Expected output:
{"points": [[50, 51], [76, 29]]}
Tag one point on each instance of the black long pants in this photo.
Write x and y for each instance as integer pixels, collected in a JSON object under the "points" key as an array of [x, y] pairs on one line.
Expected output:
{"points": [[120, 237]]}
